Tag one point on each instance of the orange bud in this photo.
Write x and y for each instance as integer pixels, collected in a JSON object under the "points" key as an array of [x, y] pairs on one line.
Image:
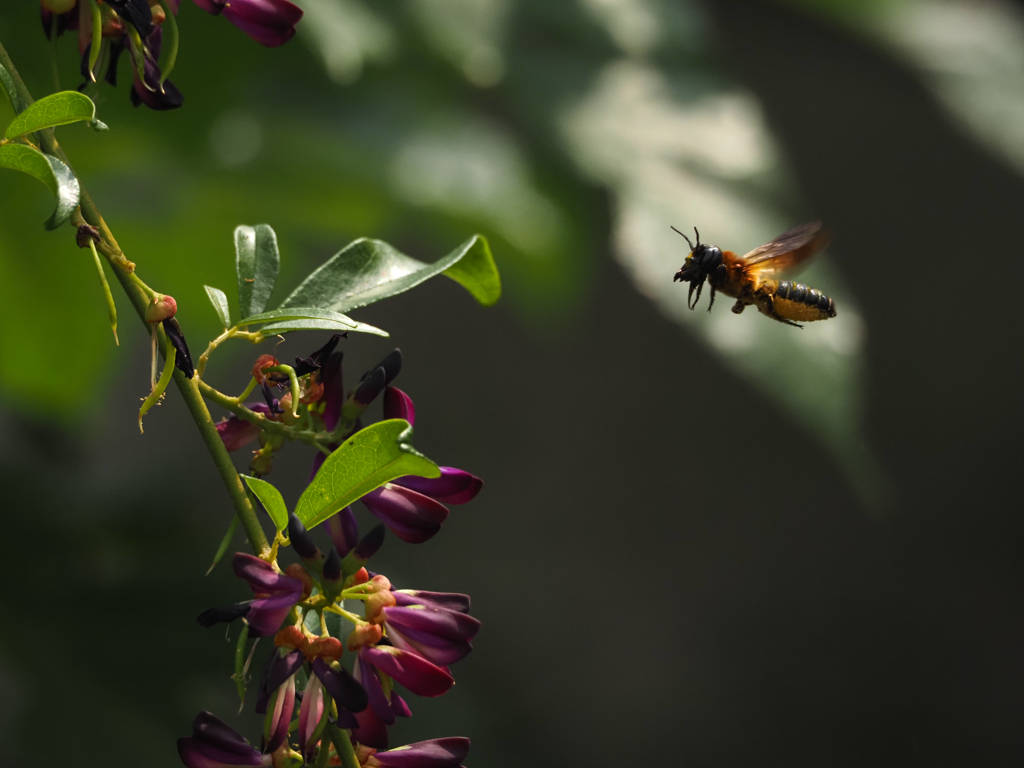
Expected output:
{"points": [[296, 571], [359, 577], [290, 637], [329, 648], [364, 634], [377, 603], [311, 392], [263, 361]]}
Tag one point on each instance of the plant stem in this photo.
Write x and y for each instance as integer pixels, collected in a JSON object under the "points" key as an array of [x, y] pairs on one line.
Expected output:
{"points": [[343, 746], [136, 291]]}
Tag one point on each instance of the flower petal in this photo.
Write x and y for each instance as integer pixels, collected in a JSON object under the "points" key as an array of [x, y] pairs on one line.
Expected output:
{"points": [[344, 688], [414, 672], [453, 601], [454, 486], [412, 516], [436, 753], [398, 405]]}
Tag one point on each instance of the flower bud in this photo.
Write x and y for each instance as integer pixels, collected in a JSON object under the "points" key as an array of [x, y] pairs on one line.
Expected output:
{"points": [[364, 634], [371, 542], [263, 361], [371, 386], [161, 308], [329, 648], [262, 463], [344, 530], [290, 638], [303, 543]]}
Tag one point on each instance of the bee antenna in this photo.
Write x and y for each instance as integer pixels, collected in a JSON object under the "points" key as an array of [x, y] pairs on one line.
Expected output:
{"points": [[697, 234], [686, 238]]}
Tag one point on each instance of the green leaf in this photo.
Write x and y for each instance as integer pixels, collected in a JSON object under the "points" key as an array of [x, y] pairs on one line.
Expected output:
{"points": [[7, 82], [53, 110], [307, 318], [257, 264], [57, 177], [370, 270], [271, 499], [367, 460], [220, 304]]}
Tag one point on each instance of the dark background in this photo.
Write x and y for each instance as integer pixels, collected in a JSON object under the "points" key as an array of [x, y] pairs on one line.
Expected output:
{"points": [[669, 569]]}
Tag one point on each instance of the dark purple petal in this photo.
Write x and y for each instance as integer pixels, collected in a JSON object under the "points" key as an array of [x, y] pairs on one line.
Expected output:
{"points": [[398, 405], [182, 360], [433, 622], [371, 731], [372, 385], [268, 613], [196, 754], [412, 516], [224, 614], [116, 49], [261, 575], [268, 22], [332, 566], [378, 702], [371, 543], [237, 433], [137, 12], [414, 672], [344, 530], [316, 360], [273, 404], [436, 753], [211, 730], [453, 601], [454, 486], [334, 390], [443, 653], [276, 672], [302, 542], [344, 688], [392, 365]]}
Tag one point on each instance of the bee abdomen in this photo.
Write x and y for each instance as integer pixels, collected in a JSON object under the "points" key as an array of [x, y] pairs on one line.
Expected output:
{"points": [[799, 293]]}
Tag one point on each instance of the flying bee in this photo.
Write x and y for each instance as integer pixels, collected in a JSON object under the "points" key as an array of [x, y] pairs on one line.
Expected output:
{"points": [[751, 279]]}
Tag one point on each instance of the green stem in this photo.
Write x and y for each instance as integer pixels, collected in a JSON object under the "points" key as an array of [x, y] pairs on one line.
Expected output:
{"points": [[97, 39], [53, 51], [189, 388], [343, 746], [273, 427], [111, 307], [293, 381]]}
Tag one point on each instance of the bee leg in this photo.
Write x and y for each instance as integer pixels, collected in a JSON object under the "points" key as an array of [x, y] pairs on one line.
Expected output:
{"points": [[738, 307], [712, 298]]}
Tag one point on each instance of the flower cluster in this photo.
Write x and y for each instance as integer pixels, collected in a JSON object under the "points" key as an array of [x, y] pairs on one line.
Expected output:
{"points": [[413, 508], [330, 697], [107, 28]]}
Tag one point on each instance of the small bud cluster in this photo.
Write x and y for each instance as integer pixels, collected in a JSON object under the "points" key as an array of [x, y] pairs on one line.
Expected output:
{"points": [[328, 690], [107, 29]]}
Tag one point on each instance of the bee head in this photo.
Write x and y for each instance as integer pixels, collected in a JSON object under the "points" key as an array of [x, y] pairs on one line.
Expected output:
{"points": [[702, 261]]}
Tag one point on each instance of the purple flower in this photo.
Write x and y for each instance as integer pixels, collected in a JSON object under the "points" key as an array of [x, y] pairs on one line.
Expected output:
{"points": [[214, 744], [436, 753], [275, 593], [454, 486], [151, 93], [281, 704], [439, 635], [310, 712], [411, 516], [237, 433], [410, 669], [268, 22]]}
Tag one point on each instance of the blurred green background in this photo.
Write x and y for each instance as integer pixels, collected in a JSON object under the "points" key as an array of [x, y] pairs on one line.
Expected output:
{"points": [[704, 539]]}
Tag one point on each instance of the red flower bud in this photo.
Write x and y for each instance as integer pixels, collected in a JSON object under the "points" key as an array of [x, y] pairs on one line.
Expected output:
{"points": [[290, 637], [263, 361], [329, 648], [364, 634], [161, 308]]}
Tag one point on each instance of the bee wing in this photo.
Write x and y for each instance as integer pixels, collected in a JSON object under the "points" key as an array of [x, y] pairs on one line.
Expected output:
{"points": [[787, 250]]}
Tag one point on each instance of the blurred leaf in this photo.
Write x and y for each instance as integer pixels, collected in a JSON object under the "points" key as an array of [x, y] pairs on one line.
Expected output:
{"points": [[220, 304], [222, 549], [370, 270], [257, 264], [317, 325], [371, 457], [326, 319], [271, 499], [57, 177], [12, 92], [53, 110]]}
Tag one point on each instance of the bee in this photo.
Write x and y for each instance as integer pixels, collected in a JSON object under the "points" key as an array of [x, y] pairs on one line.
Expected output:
{"points": [[751, 279]]}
